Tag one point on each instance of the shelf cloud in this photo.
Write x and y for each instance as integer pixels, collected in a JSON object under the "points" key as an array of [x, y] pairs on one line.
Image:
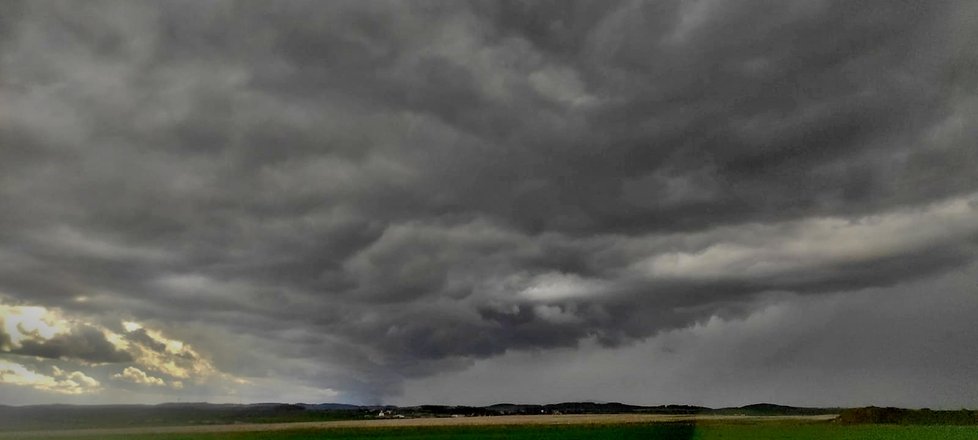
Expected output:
{"points": [[241, 201]]}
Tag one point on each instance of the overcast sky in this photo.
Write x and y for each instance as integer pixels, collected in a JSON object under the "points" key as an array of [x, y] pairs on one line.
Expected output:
{"points": [[702, 202]]}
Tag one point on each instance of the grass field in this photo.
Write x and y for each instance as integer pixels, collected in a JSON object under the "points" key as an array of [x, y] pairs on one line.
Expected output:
{"points": [[687, 430]]}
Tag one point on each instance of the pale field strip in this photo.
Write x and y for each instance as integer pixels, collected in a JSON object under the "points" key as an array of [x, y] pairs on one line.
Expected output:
{"points": [[568, 419]]}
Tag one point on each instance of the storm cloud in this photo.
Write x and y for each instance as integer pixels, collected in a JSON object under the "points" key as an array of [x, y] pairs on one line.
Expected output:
{"points": [[346, 196], [85, 343]]}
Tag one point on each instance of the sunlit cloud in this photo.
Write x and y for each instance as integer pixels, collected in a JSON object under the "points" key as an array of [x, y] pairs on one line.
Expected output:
{"points": [[60, 381], [143, 355], [46, 333], [26, 322], [137, 376], [558, 286], [765, 250]]}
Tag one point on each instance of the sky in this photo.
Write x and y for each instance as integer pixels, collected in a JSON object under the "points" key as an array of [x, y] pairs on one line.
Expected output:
{"points": [[692, 202]]}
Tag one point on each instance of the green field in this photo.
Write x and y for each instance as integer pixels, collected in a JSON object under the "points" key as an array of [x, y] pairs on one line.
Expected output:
{"points": [[664, 431]]}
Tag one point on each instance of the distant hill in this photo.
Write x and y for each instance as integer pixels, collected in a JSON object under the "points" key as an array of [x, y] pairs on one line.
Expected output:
{"points": [[770, 409]]}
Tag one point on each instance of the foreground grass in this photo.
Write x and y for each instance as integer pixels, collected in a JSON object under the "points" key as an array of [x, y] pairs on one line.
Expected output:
{"points": [[653, 431]]}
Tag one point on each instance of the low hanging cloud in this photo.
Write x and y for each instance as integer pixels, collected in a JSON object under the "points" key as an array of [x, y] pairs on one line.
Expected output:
{"points": [[786, 250], [137, 376], [338, 198], [58, 382]]}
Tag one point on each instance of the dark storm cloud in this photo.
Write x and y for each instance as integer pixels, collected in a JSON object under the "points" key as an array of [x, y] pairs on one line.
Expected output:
{"points": [[84, 343], [875, 348], [5, 342], [139, 336], [392, 190]]}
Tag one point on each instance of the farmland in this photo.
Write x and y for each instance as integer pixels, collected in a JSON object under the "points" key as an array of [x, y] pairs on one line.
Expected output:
{"points": [[603, 426]]}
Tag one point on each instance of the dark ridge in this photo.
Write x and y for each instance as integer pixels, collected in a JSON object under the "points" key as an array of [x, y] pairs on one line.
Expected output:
{"points": [[770, 409]]}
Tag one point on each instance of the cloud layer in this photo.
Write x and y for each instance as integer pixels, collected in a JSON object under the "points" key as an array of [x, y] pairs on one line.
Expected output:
{"points": [[333, 199]]}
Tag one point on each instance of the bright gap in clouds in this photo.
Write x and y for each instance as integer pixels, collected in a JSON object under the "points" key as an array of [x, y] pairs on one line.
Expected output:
{"points": [[48, 355], [40, 343]]}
